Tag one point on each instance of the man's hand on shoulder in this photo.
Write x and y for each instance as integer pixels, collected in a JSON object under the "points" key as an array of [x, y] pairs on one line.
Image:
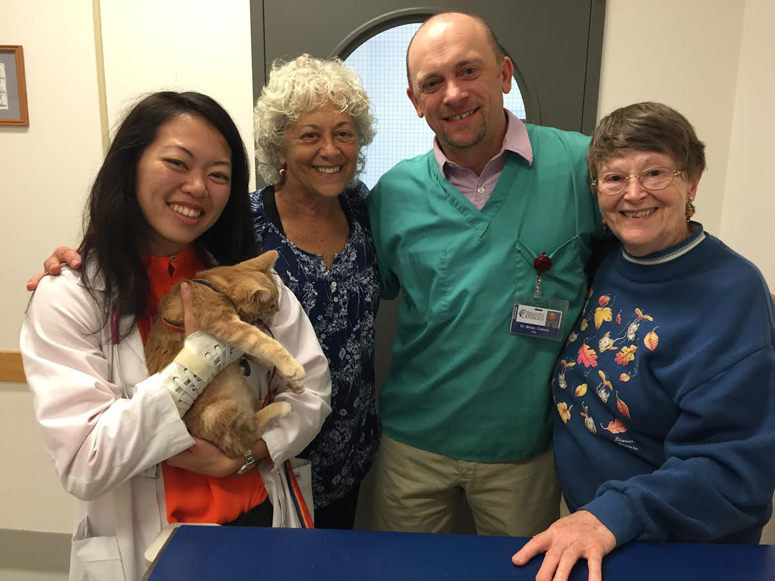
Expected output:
{"points": [[53, 264]]}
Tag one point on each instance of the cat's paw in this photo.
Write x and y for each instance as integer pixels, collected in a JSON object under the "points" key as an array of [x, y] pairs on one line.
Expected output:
{"points": [[283, 408], [274, 411], [293, 376]]}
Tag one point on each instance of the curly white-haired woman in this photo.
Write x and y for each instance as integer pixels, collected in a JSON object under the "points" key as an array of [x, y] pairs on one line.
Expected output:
{"points": [[311, 123]]}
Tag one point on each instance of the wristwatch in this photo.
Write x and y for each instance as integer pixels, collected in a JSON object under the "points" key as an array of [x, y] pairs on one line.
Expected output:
{"points": [[249, 464]]}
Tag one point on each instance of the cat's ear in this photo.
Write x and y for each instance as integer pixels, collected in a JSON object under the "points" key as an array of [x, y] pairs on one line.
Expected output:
{"points": [[262, 295], [262, 262], [253, 290]]}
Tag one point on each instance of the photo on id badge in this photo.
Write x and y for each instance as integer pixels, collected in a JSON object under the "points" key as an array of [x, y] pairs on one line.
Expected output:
{"points": [[537, 317]]}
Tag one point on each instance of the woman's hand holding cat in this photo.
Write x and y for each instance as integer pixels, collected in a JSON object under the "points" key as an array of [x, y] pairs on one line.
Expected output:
{"points": [[189, 323], [260, 450], [206, 458]]}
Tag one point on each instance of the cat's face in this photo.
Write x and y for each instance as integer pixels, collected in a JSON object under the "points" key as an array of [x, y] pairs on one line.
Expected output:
{"points": [[250, 286]]}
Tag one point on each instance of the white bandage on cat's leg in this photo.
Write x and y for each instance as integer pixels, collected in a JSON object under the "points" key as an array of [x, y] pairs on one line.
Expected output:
{"points": [[192, 369], [183, 385]]}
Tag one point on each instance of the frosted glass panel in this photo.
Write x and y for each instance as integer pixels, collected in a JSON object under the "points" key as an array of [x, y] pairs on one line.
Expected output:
{"points": [[401, 134]]}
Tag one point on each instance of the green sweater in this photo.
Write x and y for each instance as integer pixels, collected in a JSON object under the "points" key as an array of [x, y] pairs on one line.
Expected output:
{"points": [[460, 384]]}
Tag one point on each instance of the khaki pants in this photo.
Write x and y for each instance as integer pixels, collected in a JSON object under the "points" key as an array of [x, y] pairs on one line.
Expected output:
{"points": [[418, 491]]}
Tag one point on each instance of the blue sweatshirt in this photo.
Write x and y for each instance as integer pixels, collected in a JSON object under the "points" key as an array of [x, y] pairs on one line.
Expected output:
{"points": [[665, 393]]}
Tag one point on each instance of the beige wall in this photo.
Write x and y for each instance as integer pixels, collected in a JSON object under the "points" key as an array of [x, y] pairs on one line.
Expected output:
{"points": [[45, 171], [749, 204], [749, 201], [46, 168], [711, 59], [197, 45], [31, 497]]}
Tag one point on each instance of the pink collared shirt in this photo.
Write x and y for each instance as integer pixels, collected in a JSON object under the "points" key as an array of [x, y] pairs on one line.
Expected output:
{"points": [[477, 188]]}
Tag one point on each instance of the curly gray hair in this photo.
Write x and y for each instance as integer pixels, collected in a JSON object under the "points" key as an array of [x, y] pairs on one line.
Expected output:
{"points": [[300, 86]]}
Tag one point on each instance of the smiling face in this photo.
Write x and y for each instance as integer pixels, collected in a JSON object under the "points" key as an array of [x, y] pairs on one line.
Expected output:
{"points": [[183, 183], [320, 153], [457, 85], [645, 221]]}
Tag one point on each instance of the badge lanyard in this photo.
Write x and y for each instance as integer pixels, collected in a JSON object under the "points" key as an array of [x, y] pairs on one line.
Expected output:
{"points": [[535, 315]]}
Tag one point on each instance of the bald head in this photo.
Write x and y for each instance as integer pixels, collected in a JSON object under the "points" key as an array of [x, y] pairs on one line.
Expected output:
{"points": [[457, 78], [446, 22]]}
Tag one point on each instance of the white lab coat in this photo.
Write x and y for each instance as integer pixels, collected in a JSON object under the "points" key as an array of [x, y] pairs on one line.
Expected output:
{"points": [[107, 425]]}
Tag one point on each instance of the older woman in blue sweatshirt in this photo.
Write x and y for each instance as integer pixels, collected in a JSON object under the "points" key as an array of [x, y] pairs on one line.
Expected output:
{"points": [[665, 390]]}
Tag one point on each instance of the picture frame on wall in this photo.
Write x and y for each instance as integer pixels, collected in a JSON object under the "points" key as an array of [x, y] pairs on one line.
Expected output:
{"points": [[13, 87]]}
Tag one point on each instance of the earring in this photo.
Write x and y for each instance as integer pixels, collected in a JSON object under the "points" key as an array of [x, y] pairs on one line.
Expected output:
{"points": [[282, 172], [605, 224], [690, 209]]}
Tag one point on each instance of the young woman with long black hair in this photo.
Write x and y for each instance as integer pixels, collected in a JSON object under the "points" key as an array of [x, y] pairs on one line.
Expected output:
{"points": [[170, 199]]}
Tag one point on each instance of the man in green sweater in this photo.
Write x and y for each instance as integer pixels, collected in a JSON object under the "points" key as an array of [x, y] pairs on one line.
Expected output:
{"points": [[466, 406]]}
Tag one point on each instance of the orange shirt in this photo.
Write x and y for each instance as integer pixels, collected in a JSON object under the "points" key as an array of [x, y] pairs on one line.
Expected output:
{"points": [[193, 497]]}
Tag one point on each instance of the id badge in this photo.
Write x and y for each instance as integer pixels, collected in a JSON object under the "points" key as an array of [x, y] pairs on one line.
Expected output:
{"points": [[535, 315], [538, 316], [151, 471]]}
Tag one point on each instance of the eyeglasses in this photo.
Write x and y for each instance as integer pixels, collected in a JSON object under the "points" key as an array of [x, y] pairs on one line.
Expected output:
{"points": [[652, 179]]}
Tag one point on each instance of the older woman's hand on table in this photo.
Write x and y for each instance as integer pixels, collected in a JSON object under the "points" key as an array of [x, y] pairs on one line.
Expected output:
{"points": [[578, 536]]}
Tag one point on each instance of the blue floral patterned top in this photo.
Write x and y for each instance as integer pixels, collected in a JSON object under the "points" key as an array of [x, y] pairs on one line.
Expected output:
{"points": [[342, 306]]}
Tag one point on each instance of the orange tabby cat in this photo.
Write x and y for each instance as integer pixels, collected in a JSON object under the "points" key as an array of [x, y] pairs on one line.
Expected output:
{"points": [[223, 299]]}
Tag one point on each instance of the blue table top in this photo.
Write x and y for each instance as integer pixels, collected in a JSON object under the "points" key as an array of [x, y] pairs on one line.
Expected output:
{"points": [[237, 553]]}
